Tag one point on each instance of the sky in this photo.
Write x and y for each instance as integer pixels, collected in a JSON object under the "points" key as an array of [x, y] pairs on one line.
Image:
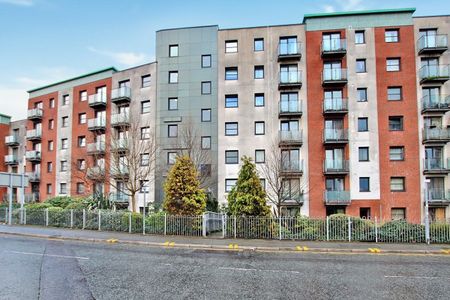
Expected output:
{"points": [[45, 41]]}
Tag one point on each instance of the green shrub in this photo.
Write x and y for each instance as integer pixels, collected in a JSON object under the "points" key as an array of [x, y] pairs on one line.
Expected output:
{"points": [[401, 232]]}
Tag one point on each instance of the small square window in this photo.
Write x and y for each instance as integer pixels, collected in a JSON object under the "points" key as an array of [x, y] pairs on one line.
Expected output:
{"points": [[206, 87], [231, 128], [363, 124], [50, 146], [173, 50], [82, 141], [205, 170], [80, 188], [63, 188], [398, 214], [145, 106], [364, 184], [49, 188], [52, 103], [360, 66], [65, 122], [259, 72], [145, 81], [393, 64], [206, 142], [173, 104], [394, 93], [397, 184], [363, 153], [260, 128], [391, 36], [259, 100], [81, 164], [145, 133], [359, 37], [82, 118], [206, 61], [65, 100], [64, 144], [396, 123], [51, 124], [231, 73], [231, 101], [206, 115], [258, 44], [232, 157], [260, 156], [173, 76], [229, 184], [49, 167], [172, 130], [83, 96], [231, 46], [397, 153], [362, 94], [171, 158], [145, 160]]}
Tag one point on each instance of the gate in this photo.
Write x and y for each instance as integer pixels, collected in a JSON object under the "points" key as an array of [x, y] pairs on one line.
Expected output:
{"points": [[214, 224]]}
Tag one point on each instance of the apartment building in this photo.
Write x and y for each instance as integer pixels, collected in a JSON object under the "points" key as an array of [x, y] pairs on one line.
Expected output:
{"points": [[342, 113]]}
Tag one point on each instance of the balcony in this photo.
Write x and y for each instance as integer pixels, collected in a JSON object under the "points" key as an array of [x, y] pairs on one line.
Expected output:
{"points": [[35, 114], [120, 173], [11, 160], [290, 109], [34, 135], [33, 156], [436, 166], [333, 106], [333, 48], [293, 168], [119, 145], [432, 44], [121, 95], [34, 177], [97, 100], [97, 124], [335, 167], [97, 148], [336, 197], [435, 135], [290, 138], [290, 80], [293, 199], [120, 120], [434, 74], [11, 140], [335, 136], [334, 77], [119, 197], [438, 197], [96, 173], [435, 104], [289, 51]]}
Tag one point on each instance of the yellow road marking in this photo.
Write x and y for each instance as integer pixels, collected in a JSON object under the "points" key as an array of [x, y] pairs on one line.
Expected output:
{"points": [[112, 241]]}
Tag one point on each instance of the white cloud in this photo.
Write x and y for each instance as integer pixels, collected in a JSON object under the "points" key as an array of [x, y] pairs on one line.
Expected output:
{"points": [[344, 5], [13, 102], [124, 58], [329, 8], [18, 2]]}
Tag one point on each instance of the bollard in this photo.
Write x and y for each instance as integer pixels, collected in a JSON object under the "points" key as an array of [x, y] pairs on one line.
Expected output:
{"points": [[328, 228], [84, 218], [376, 230], [223, 226], [279, 224], [71, 218], [143, 223], [165, 224], [234, 225], [349, 229], [99, 220], [204, 225], [129, 222], [46, 217], [25, 216]]}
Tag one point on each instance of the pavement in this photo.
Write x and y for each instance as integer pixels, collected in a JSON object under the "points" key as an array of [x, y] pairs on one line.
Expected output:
{"points": [[220, 244], [49, 268]]}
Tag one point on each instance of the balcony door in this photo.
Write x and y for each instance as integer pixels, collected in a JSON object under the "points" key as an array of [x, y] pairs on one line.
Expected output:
{"points": [[432, 66], [332, 71], [290, 159], [124, 84], [288, 46], [101, 93], [432, 122], [289, 102], [436, 188], [334, 158], [331, 42], [431, 95], [289, 74], [429, 36], [124, 110], [334, 184], [333, 99], [289, 126]]}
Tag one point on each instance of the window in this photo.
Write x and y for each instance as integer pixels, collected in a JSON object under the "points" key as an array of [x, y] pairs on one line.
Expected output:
{"points": [[231, 46], [360, 66], [393, 64], [206, 142], [49, 167], [231, 128], [260, 128], [145, 106], [364, 184], [262, 181], [145, 81], [395, 123], [50, 146], [206, 61], [231, 73], [397, 184], [394, 93], [145, 159], [51, 124], [145, 133], [206, 87], [397, 153], [81, 141], [391, 36], [260, 156], [52, 103], [81, 164], [288, 46], [173, 50], [83, 96], [64, 144], [363, 124], [398, 214], [363, 153], [362, 94], [172, 130], [231, 101], [232, 157], [229, 184], [80, 188], [65, 100], [259, 100], [82, 118], [49, 188], [171, 158], [65, 121], [205, 170], [173, 76], [206, 115], [173, 104], [259, 72], [258, 44], [359, 37], [63, 188], [63, 166]]}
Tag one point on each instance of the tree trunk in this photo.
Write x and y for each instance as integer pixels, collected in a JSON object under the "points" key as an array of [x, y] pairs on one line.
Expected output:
{"points": [[133, 202]]}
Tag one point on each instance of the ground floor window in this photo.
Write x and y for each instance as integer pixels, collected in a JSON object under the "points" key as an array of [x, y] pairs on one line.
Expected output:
{"points": [[437, 214]]}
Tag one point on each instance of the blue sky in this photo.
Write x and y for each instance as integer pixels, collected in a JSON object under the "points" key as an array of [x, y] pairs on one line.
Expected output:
{"points": [[43, 41]]}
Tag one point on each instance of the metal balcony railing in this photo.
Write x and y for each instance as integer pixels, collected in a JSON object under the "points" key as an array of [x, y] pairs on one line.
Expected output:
{"points": [[337, 197], [121, 172], [11, 140], [33, 155], [434, 73], [122, 119], [286, 49], [292, 167], [35, 113], [96, 148], [335, 105], [291, 136], [121, 94], [34, 176], [436, 135], [289, 108], [120, 144], [291, 198], [335, 135], [338, 75], [439, 195], [333, 46], [336, 166], [432, 43], [290, 77], [11, 159], [97, 124], [436, 165], [97, 100], [96, 172], [119, 197], [435, 103], [34, 134]]}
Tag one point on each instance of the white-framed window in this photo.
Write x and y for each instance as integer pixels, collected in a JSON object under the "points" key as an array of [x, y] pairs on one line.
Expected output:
{"points": [[231, 46]]}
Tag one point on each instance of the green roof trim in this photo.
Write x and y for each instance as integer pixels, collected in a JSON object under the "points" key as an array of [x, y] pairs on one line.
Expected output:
{"points": [[360, 12], [74, 78], [3, 115]]}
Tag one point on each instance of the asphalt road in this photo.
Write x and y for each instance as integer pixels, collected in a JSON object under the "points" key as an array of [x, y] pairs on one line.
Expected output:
{"points": [[34, 268]]}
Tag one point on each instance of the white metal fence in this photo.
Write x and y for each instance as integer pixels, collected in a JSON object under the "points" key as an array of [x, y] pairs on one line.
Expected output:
{"points": [[333, 228]]}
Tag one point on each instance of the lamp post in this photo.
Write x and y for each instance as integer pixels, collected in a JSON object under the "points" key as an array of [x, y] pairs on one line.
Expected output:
{"points": [[144, 186], [427, 221]]}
